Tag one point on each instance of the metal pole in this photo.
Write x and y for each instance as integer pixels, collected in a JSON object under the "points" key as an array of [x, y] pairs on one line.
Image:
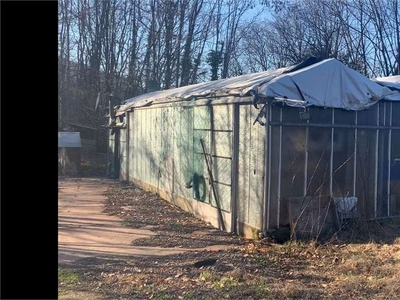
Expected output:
{"points": [[209, 169], [381, 179], [389, 158], [306, 162], [279, 170], [384, 113], [376, 163], [235, 172], [355, 157], [331, 158], [269, 166], [128, 115]]}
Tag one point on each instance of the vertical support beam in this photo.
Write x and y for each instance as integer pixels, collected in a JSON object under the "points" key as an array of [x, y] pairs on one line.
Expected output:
{"points": [[384, 113], [279, 169], [139, 144], [127, 146], [267, 190], [248, 159], [355, 157], [389, 158], [376, 163], [117, 156], [381, 156], [306, 162], [235, 169], [108, 170], [265, 223], [331, 157]]}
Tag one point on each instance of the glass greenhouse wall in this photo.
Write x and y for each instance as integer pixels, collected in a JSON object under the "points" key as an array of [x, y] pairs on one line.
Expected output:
{"points": [[334, 156], [166, 152], [290, 171]]}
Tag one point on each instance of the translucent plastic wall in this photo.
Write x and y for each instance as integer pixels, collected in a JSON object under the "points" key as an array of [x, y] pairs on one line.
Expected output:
{"points": [[335, 153], [166, 150], [251, 168]]}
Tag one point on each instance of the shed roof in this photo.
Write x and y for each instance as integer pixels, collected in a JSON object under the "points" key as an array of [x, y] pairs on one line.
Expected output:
{"points": [[234, 86], [392, 82], [69, 140], [326, 83]]}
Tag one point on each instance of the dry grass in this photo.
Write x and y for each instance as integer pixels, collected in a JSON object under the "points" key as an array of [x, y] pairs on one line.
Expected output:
{"points": [[362, 262], [357, 271], [255, 271]]}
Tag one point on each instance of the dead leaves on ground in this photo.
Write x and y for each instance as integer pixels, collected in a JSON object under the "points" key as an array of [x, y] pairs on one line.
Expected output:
{"points": [[252, 270]]}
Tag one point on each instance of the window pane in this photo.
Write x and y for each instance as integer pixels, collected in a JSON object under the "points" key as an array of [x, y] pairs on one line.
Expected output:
{"points": [[343, 162], [319, 147], [293, 154], [273, 209], [395, 173], [291, 114], [321, 115], [395, 113], [344, 116], [276, 110], [368, 116], [383, 160], [365, 185]]}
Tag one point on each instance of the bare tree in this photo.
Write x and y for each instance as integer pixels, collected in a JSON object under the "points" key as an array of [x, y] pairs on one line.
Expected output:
{"points": [[125, 46], [236, 10]]}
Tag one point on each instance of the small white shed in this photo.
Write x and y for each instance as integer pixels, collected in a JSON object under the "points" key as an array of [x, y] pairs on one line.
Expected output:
{"points": [[69, 153]]}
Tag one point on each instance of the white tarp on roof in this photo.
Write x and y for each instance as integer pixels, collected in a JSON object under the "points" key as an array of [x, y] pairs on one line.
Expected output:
{"points": [[328, 83], [393, 83], [390, 81], [239, 86], [69, 140]]}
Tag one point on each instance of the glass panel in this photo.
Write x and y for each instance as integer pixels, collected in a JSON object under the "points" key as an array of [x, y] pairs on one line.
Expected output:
{"points": [[222, 143], [257, 175], [293, 154], [344, 116], [395, 113], [273, 209], [291, 114], [201, 116], [319, 147], [383, 160], [221, 170], [395, 173], [382, 113], [368, 116], [343, 162], [184, 144], [321, 115], [388, 114], [365, 185], [224, 197], [244, 162], [276, 110], [200, 174], [221, 116]]}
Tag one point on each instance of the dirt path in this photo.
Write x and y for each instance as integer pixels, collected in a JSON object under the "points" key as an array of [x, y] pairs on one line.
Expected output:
{"points": [[119, 242], [86, 231]]}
